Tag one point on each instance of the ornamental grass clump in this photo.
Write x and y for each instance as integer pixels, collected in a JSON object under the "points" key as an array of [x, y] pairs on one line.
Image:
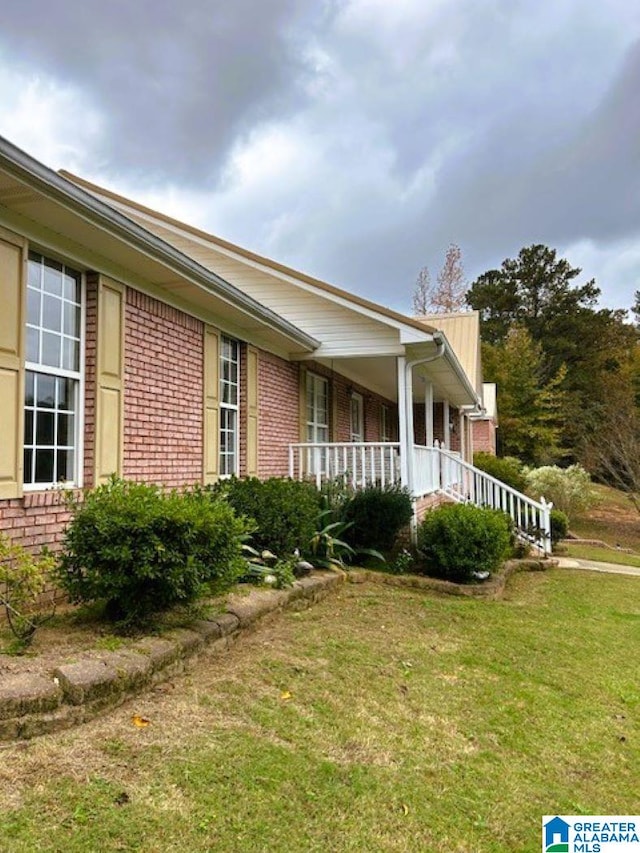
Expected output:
{"points": [[141, 550], [461, 541]]}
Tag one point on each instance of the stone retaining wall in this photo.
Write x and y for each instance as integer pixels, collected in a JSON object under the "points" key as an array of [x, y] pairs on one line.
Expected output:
{"points": [[73, 693], [491, 589]]}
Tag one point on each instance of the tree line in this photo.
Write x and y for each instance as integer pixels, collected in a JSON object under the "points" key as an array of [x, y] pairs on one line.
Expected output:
{"points": [[567, 370]]}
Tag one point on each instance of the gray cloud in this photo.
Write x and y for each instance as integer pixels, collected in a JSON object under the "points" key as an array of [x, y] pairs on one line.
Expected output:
{"points": [[177, 82], [392, 129]]}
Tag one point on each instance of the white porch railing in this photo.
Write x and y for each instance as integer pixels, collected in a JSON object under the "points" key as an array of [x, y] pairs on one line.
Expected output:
{"points": [[433, 470], [360, 463], [464, 483]]}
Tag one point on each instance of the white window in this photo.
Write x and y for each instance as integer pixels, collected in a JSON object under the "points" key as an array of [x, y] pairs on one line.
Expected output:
{"points": [[385, 431], [357, 417], [317, 409], [53, 376], [229, 403]]}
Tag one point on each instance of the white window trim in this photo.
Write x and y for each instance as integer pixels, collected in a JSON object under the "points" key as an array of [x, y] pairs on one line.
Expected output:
{"points": [[231, 407], [316, 424], [385, 432], [358, 399], [79, 377]]}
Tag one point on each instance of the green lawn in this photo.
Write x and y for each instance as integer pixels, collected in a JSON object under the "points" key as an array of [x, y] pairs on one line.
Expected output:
{"points": [[612, 518], [382, 719]]}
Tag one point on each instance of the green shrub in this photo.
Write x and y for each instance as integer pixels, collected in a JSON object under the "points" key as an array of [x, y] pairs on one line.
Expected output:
{"points": [[23, 582], [141, 550], [375, 516], [285, 511], [460, 539], [559, 526], [569, 489], [508, 469]]}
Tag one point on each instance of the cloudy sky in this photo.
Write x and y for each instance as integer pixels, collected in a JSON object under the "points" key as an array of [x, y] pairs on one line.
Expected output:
{"points": [[352, 139]]}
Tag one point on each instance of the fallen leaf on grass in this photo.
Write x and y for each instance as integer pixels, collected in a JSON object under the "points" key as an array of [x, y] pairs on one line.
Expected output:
{"points": [[285, 696], [140, 722]]}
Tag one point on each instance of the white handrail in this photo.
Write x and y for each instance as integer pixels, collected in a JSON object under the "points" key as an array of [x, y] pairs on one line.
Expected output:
{"points": [[531, 518], [433, 470]]}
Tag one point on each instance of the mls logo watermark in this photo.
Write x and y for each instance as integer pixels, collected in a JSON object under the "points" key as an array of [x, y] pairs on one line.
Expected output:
{"points": [[593, 834]]}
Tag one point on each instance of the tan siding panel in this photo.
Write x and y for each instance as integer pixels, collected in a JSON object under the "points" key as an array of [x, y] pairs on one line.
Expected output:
{"points": [[316, 314]]}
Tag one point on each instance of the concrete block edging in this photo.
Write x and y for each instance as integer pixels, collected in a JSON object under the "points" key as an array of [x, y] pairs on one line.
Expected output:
{"points": [[32, 704]]}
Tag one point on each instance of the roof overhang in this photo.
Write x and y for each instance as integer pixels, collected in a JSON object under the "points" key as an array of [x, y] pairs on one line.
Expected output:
{"points": [[57, 214], [449, 380]]}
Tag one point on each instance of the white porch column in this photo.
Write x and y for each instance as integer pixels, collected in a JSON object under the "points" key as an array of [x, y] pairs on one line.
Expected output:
{"points": [[428, 413], [463, 436], [445, 420], [402, 419]]}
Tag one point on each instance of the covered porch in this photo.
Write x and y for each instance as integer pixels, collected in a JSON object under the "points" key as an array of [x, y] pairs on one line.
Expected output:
{"points": [[428, 448]]}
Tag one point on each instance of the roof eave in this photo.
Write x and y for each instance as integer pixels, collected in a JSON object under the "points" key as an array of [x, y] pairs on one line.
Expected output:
{"points": [[61, 190]]}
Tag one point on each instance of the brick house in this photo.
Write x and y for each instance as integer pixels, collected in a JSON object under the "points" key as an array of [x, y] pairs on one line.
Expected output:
{"points": [[133, 344]]}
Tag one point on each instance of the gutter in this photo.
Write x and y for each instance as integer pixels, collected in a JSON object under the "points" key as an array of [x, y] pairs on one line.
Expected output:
{"points": [[28, 170]]}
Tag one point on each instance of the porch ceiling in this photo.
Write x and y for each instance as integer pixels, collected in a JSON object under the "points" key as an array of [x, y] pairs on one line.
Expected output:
{"points": [[380, 375]]}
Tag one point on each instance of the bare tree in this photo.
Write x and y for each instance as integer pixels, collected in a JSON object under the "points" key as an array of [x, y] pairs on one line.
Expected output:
{"points": [[452, 285], [447, 294], [422, 292], [616, 453]]}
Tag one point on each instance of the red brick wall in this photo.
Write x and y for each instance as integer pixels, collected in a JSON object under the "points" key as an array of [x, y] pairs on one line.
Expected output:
{"points": [[163, 393], [278, 413], [34, 520], [484, 436], [438, 423]]}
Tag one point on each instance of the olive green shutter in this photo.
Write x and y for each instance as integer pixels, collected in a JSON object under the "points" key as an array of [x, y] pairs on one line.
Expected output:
{"points": [[110, 380], [211, 437], [12, 319], [252, 412]]}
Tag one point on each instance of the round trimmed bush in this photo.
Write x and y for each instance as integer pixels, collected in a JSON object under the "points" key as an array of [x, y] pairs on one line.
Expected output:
{"points": [[460, 539], [285, 511], [141, 550]]}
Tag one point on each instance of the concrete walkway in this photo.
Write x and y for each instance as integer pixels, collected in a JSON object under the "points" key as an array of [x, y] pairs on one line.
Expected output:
{"points": [[596, 566]]}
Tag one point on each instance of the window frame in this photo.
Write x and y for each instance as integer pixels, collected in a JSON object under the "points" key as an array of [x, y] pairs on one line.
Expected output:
{"points": [[229, 407], [313, 424], [78, 377], [356, 400], [385, 432]]}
